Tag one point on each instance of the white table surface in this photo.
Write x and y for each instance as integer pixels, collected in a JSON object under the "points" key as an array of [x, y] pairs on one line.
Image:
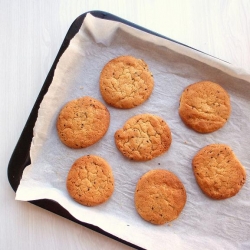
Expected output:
{"points": [[31, 34]]}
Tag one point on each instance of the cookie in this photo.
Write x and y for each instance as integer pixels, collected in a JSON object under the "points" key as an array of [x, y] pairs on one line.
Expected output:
{"points": [[143, 137], [126, 82], [82, 122], [218, 172], [204, 106], [160, 196], [90, 180]]}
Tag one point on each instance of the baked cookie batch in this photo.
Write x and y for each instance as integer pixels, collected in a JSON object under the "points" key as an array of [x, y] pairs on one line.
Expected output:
{"points": [[160, 196]]}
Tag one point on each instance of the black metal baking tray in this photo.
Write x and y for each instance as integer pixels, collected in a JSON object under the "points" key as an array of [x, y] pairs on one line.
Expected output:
{"points": [[21, 158]]}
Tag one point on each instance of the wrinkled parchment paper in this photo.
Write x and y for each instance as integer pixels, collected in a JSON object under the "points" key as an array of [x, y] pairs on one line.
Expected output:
{"points": [[204, 223]]}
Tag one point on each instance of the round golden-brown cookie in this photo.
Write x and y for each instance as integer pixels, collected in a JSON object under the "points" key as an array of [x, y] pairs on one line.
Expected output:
{"points": [[126, 82], [82, 122], [143, 137], [90, 180], [218, 172], [204, 106], [160, 196]]}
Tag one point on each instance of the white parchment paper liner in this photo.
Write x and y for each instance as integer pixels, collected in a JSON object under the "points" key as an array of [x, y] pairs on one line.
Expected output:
{"points": [[204, 223]]}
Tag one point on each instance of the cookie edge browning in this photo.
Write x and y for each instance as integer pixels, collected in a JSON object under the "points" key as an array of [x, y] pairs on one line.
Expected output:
{"points": [[106, 123], [70, 187], [166, 144], [202, 126], [116, 104], [162, 176], [200, 183]]}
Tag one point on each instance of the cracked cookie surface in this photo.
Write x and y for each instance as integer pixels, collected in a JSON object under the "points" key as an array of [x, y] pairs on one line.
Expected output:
{"points": [[218, 172], [143, 137], [204, 106], [159, 196], [82, 122], [90, 180], [126, 82]]}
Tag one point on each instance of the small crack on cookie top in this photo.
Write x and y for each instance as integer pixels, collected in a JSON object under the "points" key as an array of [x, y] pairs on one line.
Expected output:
{"points": [[126, 82]]}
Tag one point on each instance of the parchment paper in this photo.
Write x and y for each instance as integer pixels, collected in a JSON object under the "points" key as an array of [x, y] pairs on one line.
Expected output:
{"points": [[204, 223]]}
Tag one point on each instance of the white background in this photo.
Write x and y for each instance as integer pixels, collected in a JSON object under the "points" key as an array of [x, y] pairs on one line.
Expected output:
{"points": [[31, 35]]}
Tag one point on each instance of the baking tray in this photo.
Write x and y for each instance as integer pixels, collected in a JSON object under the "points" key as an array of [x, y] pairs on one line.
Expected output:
{"points": [[21, 158]]}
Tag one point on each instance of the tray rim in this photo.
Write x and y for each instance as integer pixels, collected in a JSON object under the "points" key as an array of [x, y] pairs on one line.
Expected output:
{"points": [[21, 151]]}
